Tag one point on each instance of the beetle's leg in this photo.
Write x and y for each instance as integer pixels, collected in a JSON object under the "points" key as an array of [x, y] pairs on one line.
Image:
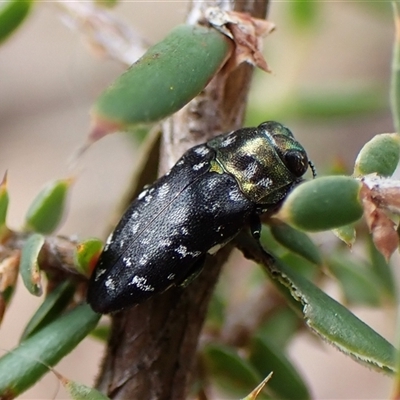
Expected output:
{"points": [[193, 272], [255, 226]]}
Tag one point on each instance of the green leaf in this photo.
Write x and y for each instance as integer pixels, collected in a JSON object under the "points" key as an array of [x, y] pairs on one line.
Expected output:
{"points": [[280, 327], [382, 271], [27, 363], [296, 241], [286, 382], [168, 76], [86, 255], [346, 233], [380, 155], [358, 283], [323, 103], [107, 3], [51, 308], [29, 267], [301, 265], [227, 370], [303, 14], [78, 391], [47, 209], [322, 204], [12, 14], [101, 332], [335, 323]]}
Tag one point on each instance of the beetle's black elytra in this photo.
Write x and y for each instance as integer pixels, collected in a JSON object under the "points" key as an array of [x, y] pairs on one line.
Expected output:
{"points": [[211, 193]]}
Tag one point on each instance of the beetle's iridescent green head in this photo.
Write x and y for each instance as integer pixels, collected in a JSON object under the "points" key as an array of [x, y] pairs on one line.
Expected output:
{"points": [[266, 161]]}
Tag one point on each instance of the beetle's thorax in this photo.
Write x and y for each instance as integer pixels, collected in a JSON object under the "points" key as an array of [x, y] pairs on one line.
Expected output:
{"points": [[251, 158]]}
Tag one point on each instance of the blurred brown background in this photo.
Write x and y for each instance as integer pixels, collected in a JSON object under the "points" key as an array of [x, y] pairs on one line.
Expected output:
{"points": [[49, 80]]}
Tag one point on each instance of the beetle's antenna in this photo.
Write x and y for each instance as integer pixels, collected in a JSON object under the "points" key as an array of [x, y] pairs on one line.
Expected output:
{"points": [[313, 170]]}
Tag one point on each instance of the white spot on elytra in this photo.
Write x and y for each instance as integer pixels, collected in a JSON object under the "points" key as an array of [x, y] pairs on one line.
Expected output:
{"points": [[143, 260], [99, 273], [121, 243], [135, 215], [228, 141], [184, 230], [148, 198], [202, 151], [110, 238], [134, 228], [110, 284], [141, 195], [127, 261], [234, 195], [166, 243], [140, 283], [198, 166], [184, 252], [163, 190]]}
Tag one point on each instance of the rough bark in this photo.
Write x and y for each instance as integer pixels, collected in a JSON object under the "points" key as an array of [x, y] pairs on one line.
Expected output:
{"points": [[152, 348]]}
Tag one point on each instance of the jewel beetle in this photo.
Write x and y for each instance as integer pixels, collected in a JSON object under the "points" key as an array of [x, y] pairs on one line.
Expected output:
{"points": [[210, 194]]}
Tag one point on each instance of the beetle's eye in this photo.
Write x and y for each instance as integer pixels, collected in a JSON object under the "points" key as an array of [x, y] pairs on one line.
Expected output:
{"points": [[297, 162]]}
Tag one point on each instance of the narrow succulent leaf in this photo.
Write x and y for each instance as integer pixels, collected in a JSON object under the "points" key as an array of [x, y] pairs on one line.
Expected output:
{"points": [[27, 363], [101, 332], [395, 395], [47, 209], [51, 308], [255, 392], [227, 370], [395, 80], [303, 14], [107, 3], [301, 265], [286, 382], [334, 322], [382, 271], [12, 14], [346, 233], [280, 327], [380, 155], [322, 204], [29, 267], [4, 200], [324, 104], [78, 391], [357, 282], [86, 255], [169, 75], [296, 241]]}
